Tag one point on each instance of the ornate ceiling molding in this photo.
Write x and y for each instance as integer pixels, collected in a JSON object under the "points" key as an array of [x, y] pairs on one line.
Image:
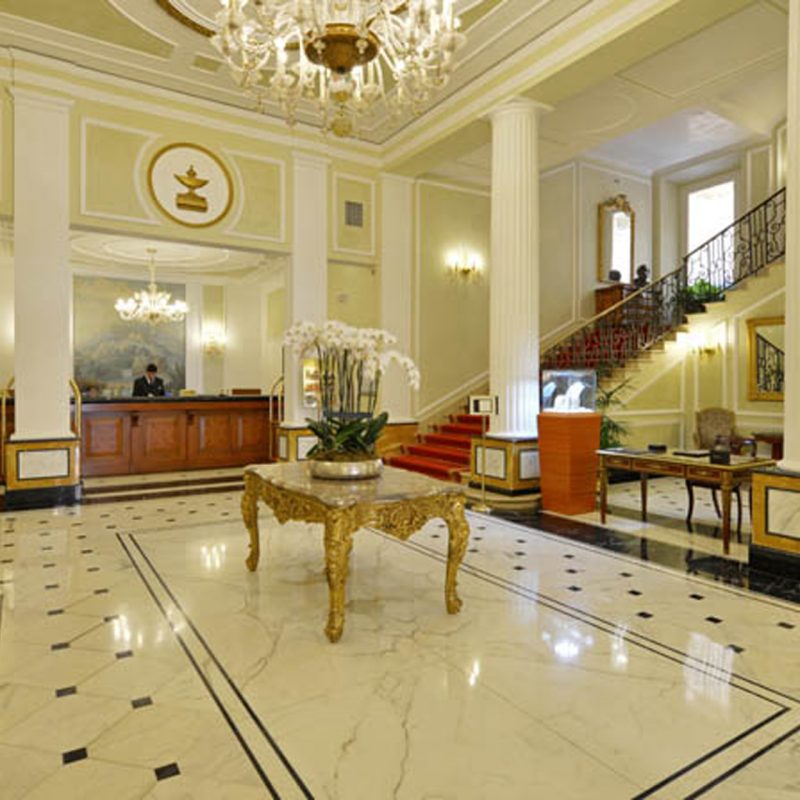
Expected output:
{"points": [[184, 19]]}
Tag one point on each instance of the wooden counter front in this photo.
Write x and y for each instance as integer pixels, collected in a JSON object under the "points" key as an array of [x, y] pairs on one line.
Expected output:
{"points": [[163, 435]]}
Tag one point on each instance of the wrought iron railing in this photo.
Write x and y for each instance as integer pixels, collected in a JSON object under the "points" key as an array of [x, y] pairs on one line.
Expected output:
{"points": [[648, 315], [769, 365]]}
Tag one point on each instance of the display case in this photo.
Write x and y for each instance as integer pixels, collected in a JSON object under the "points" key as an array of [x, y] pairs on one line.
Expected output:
{"points": [[569, 390]]}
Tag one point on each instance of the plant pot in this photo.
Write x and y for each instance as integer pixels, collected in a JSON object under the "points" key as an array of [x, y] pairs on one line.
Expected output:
{"points": [[345, 470]]}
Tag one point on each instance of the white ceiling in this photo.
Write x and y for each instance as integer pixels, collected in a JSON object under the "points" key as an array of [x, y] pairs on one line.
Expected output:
{"points": [[722, 87], [128, 257]]}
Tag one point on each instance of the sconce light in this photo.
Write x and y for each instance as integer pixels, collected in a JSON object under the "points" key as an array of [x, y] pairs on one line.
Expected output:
{"points": [[464, 264], [214, 341], [702, 343]]}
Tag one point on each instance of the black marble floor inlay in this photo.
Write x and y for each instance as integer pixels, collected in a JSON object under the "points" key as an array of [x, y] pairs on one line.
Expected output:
{"points": [[110, 617], [54, 612], [696, 596], [768, 580], [574, 588], [141, 702], [74, 755], [634, 592], [787, 625], [124, 654], [736, 648], [66, 691], [713, 620], [60, 646], [167, 771], [644, 614]]}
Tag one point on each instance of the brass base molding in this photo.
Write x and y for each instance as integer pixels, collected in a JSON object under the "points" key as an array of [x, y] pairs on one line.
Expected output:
{"points": [[512, 465], [398, 503], [42, 473]]}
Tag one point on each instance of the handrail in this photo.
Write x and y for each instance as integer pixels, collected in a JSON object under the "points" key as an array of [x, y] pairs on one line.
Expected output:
{"points": [[651, 312], [76, 392], [3, 424], [273, 392]]}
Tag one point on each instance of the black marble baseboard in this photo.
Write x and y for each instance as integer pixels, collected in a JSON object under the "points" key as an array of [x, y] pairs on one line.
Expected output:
{"points": [[48, 497]]}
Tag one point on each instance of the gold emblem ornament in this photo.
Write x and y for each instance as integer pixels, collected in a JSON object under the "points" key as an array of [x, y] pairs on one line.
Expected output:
{"points": [[205, 172], [190, 200]]}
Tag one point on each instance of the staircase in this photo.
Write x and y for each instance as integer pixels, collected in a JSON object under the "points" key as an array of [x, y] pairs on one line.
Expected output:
{"points": [[656, 313], [444, 454]]}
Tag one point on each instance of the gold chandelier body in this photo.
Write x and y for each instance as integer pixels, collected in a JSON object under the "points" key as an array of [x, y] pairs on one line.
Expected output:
{"points": [[344, 56]]}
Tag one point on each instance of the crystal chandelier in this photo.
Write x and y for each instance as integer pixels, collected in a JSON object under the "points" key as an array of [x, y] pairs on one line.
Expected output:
{"points": [[342, 55], [151, 305]]}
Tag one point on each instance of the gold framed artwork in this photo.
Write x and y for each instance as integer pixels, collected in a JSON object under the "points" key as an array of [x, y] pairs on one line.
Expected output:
{"points": [[766, 344], [190, 185]]}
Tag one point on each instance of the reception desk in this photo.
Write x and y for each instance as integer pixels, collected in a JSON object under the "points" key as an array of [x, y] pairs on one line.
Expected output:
{"points": [[128, 436]]}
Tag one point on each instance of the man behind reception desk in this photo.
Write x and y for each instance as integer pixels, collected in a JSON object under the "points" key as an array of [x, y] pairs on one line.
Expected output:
{"points": [[149, 384]]}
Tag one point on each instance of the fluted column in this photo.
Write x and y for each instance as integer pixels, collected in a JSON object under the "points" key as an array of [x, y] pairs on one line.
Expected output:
{"points": [[307, 278], [791, 403], [397, 255], [514, 269]]}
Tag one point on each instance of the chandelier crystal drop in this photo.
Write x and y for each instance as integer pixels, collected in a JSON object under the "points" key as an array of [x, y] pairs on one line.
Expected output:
{"points": [[151, 305], [344, 56]]}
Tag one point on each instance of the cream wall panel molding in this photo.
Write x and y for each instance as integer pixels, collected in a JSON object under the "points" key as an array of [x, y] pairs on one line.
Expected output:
{"points": [[119, 175], [82, 83], [757, 174], [437, 406], [351, 239], [494, 88], [454, 187], [260, 207]]}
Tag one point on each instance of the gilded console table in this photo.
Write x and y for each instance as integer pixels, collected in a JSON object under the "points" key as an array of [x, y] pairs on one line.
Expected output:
{"points": [[398, 503]]}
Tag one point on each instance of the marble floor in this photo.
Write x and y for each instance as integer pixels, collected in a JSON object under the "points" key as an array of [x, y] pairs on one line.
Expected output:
{"points": [[139, 659]]}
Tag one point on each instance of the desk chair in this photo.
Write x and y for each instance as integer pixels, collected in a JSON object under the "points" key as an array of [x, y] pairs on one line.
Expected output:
{"points": [[709, 424]]}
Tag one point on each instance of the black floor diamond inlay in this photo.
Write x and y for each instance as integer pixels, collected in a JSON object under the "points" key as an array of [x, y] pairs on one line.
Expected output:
{"points": [[714, 620], [54, 612], [787, 625], [74, 755], [626, 574], [66, 691], [519, 566], [571, 571], [574, 588], [736, 648], [696, 596], [167, 771], [141, 702], [124, 654], [634, 592], [644, 614], [59, 646]]}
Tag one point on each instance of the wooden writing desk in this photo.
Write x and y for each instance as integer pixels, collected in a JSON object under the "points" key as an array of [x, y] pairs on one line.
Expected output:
{"points": [[725, 476]]}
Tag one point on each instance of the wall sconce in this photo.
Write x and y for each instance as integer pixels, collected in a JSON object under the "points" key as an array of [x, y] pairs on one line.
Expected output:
{"points": [[702, 343], [214, 341], [464, 264]]}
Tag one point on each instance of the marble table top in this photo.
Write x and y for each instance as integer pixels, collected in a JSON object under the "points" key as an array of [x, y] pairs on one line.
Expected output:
{"points": [[392, 486]]}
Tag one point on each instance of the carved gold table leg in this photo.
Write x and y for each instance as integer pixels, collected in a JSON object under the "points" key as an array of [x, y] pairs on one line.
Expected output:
{"points": [[339, 531], [250, 517], [459, 537]]}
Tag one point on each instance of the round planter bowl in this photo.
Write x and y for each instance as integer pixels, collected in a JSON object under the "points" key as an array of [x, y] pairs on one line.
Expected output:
{"points": [[345, 470]]}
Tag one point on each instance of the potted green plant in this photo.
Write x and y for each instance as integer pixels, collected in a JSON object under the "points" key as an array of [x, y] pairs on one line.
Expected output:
{"points": [[611, 431], [351, 362]]}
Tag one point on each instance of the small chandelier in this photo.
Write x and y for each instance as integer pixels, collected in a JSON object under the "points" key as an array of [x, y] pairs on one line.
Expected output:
{"points": [[151, 305], [342, 55]]}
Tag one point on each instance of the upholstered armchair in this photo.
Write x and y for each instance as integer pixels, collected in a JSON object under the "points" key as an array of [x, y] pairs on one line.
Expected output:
{"points": [[709, 424]]}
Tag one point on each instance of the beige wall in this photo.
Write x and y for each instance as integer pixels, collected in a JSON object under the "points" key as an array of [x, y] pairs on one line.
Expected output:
{"points": [[452, 344], [353, 295], [213, 318]]}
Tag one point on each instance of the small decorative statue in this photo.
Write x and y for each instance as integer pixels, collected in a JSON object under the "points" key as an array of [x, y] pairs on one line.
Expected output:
{"points": [[642, 275], [615, 275]]}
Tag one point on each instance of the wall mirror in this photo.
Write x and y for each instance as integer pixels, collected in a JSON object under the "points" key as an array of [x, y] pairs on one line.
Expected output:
{"points": [[765, 356], [616, 235]]}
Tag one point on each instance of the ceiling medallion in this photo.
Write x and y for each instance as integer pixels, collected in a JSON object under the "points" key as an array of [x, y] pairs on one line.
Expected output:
{"points": [[151, 305], [345, 56]]}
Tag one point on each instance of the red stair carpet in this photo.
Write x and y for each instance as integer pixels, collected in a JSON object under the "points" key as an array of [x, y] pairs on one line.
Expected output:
{"points": [[443, 454]]}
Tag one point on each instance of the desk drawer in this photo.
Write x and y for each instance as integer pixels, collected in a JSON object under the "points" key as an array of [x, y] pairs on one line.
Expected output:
{"points": [[704, 473], [659, 467], [618, 462]]}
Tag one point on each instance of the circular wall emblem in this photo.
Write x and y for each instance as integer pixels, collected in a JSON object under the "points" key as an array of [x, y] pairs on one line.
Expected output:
{"points": [[190, 185]]}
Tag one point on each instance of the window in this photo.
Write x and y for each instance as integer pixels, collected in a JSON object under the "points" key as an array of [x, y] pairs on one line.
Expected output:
{"points": [[709, 211]]}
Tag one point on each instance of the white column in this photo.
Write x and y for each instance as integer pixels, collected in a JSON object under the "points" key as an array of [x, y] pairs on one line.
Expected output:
{"points": [[307, 276], [194, 337], [514, 269], [397, 254], [42, 277], [791, 403]]}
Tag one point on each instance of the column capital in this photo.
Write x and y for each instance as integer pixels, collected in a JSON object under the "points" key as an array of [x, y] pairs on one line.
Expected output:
{"points": [[518, 105], [40, 99]]}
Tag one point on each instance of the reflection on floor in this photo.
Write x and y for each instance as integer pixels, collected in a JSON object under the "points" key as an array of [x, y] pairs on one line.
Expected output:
{"points": [[139, 659]]}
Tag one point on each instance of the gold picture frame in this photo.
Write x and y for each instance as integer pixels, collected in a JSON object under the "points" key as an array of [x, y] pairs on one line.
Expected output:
{"points": [[764, 360], [605, 214], [206, 152]]}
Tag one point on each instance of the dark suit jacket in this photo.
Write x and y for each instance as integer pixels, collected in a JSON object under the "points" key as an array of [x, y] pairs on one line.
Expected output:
{"points": [[141, 388]]}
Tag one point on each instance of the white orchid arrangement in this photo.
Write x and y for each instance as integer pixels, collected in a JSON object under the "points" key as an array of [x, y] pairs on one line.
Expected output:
{"points": [[351, 363]]}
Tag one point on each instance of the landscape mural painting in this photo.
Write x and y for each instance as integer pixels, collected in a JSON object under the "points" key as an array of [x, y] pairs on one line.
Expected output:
{"points": [[110, 353]]}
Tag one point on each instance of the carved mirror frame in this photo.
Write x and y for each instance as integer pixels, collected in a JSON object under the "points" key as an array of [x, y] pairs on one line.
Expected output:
{"points": [[618, 203], [754, 391]]}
